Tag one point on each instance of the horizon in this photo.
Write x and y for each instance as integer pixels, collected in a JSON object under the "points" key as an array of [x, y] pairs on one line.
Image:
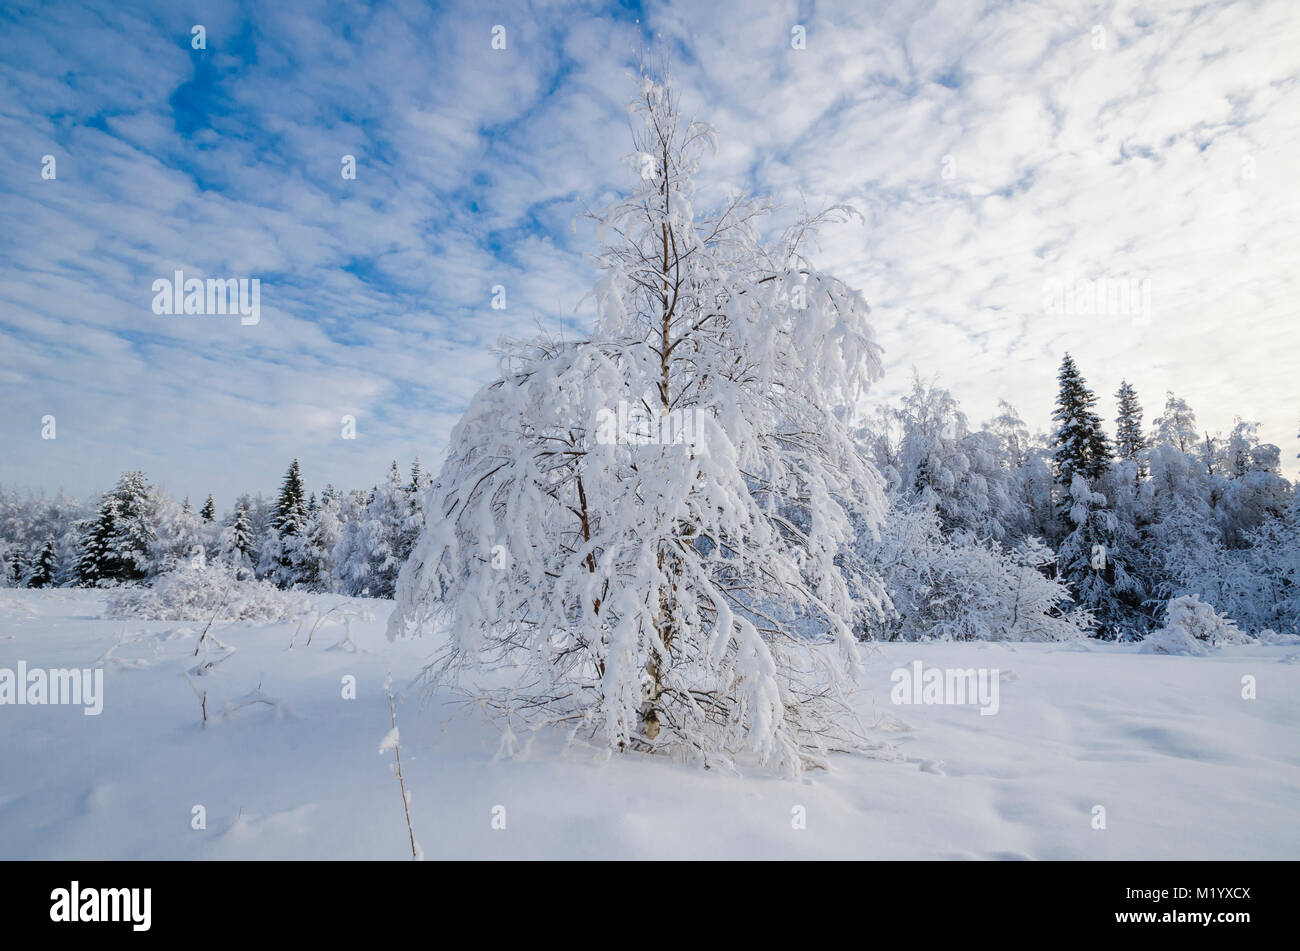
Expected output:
{"points": [[315, 486]]}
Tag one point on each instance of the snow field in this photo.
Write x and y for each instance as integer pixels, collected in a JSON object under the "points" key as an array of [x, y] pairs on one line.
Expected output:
{"points": [[287, 768]]}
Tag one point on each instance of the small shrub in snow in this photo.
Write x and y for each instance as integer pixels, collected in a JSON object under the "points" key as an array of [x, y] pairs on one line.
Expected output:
{"points": [[206, 592], [1173, 640], [1191, 627]]}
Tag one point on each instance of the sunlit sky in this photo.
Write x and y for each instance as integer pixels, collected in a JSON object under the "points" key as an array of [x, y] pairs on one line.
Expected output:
{"points": [[993, 149]]}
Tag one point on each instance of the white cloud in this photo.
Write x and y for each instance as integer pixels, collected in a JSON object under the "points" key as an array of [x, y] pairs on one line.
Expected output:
{"points": [[1135, 161]]}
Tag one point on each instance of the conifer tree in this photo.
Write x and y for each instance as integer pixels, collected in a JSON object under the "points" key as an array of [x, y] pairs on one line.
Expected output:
{"points": [[134, 529], [209, 511], [14, 569], [238, 538], [283, 554], [92, 550], [291, 507], [1080, 444], [116, 544], [314, 549], [44, 567], [1129, 441]]}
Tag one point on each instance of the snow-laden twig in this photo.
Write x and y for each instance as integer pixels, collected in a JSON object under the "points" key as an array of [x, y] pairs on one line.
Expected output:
{"points": [[391, 742]]}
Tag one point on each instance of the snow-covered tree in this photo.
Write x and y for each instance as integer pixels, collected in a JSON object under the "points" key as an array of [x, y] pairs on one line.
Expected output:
{"points": [[1129, 441], [115, 545], [1176, 426], [1190, 553], [1192, 626], [27, 522], [290, 507], [1036, 489], [44, 567], [1080, 446], [1250, 488], [283, 552], [938, 461], [13, 568], [373, 548], [1266, 572], [93, 555], [313, 549], [238, 542], [958, 587], [134, 530], [1097, 558], [652, 522], [176, 534], [1012, 435]]}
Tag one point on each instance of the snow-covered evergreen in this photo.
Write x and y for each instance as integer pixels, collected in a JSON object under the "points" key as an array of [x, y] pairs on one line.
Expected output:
{"points": [[1129, 440], [372, 549], [1080, 446]]}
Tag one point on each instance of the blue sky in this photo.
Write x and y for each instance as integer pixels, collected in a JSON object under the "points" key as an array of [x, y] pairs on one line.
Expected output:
{"points": [[992, 149]]}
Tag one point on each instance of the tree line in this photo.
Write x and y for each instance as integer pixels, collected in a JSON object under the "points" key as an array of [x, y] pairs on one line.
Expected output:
{"points": [[988, 528], [350, 542], [1126, 522]]}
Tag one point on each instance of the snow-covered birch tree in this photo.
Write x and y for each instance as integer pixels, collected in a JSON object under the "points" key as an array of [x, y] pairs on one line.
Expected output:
{"points": [[654, 523]]}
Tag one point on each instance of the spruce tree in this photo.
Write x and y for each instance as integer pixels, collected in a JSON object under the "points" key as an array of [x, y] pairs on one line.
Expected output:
{"points": [[134, 529], [93, 547], [291, 507], [1080, 445], [237, 543], [283, 559], [44, 567], [209, 511], [1129, 441], [1096, 554], [419, 481], [14, 569]]}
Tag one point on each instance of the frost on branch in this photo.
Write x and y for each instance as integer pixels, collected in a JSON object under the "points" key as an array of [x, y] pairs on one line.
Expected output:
{"points": [[693, 595]]}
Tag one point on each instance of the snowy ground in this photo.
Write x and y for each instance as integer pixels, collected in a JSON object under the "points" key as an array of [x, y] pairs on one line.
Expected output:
{"points": [[1184, 767]]}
